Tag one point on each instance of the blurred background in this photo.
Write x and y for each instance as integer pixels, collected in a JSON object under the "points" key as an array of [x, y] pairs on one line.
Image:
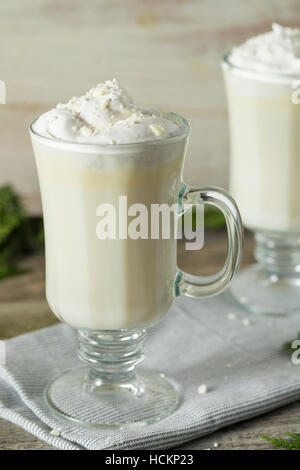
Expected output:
{"points": [[165, 52]]}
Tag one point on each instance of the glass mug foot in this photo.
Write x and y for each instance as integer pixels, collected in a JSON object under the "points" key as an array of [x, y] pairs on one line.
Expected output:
{"points": [[146, 398], [258, 291], [271, 286]]}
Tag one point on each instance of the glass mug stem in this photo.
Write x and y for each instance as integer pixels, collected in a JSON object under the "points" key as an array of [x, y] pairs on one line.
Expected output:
{"points": [[111, 355], [278, 253]]}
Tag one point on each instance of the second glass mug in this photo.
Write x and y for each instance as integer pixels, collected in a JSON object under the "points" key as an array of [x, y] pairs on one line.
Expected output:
{"points": [[264, 178], [112, 290]]}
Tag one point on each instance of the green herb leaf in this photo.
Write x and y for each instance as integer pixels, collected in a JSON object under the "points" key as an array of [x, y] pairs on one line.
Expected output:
{"points": [[213, 218], [288, 345], [11, 212], [293, 443], [19, 235]]}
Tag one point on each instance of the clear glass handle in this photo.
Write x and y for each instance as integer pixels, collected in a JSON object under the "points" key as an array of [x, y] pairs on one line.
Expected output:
{"points": [[205, 286]]}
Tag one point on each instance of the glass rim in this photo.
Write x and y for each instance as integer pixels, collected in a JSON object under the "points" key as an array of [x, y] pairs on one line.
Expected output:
{"points": [[182, 132], [263, 75]]}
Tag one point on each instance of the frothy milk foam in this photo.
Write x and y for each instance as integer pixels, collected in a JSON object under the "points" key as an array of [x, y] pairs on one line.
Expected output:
{"points": [[264, 129], [106, 284]]}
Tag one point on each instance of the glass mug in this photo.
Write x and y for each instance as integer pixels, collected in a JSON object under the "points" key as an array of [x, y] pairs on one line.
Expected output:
{"points": [[264, 179], [112, 289]]}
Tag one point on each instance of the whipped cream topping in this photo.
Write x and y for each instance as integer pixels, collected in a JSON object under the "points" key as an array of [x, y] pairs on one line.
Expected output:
{"points": [[105, 115], [277, 51]]}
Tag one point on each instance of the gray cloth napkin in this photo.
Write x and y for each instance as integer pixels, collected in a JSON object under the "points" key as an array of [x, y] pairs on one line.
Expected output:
{"points": [[199, 342]]}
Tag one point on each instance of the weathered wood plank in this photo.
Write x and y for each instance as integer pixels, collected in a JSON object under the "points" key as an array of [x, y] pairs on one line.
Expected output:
{"points": [[166, 53], [246, 435]]}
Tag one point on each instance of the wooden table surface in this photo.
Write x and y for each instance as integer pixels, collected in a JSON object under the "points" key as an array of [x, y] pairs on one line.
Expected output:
{"points": [[23, 308]]}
